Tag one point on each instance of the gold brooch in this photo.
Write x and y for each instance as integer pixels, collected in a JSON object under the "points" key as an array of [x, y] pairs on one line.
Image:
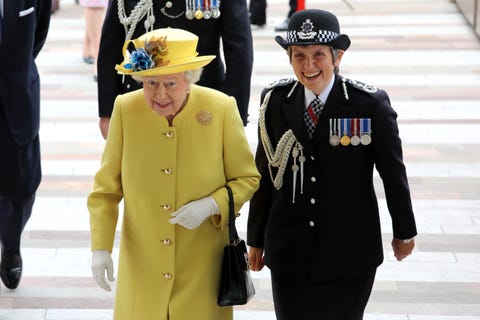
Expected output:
{"points": [[204, 117]]}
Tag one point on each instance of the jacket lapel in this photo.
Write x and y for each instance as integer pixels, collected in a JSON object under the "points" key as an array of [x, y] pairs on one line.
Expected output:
{"points": [[293, 109]]}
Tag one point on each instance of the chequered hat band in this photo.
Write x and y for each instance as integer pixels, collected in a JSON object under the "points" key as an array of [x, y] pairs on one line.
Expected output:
{"points": [[320, 36]]}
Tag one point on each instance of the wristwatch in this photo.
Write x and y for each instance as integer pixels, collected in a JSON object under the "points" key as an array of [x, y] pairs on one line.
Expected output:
{"points": [[407, 240]]}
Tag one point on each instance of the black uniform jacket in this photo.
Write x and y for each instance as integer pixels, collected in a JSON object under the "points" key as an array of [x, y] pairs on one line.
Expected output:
{"points": [[230, 31], [332, 230], [25, 27]]}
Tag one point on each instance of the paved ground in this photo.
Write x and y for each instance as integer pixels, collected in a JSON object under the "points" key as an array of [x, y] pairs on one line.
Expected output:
{"points": [[424, 54]]}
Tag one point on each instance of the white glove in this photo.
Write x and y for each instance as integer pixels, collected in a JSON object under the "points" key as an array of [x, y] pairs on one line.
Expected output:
{"points": [[192, 214], [101, 261]]}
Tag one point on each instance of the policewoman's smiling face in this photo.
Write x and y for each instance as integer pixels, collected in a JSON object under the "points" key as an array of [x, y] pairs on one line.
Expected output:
{"points": [[314, 65]]}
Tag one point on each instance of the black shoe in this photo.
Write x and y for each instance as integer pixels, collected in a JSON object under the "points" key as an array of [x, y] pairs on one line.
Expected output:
{"points": [[10, 269], [282, 26]]}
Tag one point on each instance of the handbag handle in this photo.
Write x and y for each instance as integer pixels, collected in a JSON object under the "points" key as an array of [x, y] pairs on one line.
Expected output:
{"points": [[232, 230]]}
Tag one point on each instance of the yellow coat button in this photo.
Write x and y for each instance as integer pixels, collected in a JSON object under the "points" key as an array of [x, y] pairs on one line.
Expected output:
{"points": [[166, 242], [169, 134], [166, 207], [168, 276]]}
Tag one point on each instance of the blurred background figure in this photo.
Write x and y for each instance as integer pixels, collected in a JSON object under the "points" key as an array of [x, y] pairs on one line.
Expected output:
{"points": [[94, 15], [23, 31], [55, 6], [258, 13]]}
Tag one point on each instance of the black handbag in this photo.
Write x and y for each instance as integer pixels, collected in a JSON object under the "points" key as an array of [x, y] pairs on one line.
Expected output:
{"points": [[236, 285]]}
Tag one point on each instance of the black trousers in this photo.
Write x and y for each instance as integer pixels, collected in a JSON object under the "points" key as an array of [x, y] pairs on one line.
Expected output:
{"points": [[258, 8], [14, 215], [343, 299]]}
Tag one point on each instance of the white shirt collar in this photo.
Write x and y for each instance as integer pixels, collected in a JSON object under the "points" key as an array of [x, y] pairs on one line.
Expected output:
{"points": [[309, 95]]}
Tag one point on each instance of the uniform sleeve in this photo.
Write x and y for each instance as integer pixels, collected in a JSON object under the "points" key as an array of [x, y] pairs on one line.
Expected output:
{"points": [[388, 152], [107, 187]]}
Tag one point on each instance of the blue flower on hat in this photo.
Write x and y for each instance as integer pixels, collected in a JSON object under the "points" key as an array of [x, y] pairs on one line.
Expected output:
{"points": [[140, 60]]}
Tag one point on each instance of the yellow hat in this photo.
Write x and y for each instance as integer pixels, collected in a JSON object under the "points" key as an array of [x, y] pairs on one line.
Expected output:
{"points": [[162, 51]]}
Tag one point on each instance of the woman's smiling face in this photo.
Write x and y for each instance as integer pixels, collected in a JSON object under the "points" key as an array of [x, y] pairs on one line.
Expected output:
{"points": [[314, 65], [166, 94]]}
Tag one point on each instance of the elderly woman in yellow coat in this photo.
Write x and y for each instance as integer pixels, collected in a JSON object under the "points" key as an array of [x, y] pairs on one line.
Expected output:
{"points": [[172, 148]]}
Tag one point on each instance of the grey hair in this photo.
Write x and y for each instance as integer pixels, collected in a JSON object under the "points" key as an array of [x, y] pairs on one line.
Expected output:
{"points": [[192, 76], [334, 51]]}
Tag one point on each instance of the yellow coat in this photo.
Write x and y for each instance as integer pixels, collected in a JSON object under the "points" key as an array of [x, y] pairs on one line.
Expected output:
{"points": [[166, 271]]}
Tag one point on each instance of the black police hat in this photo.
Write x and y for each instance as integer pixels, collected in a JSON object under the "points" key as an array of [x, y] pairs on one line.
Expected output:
{"points": [[313, 26]]}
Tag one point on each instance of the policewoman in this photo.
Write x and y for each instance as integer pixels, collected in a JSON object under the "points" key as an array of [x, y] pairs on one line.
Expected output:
{"points": [[315, 220], [172, 147], [223, 29]]}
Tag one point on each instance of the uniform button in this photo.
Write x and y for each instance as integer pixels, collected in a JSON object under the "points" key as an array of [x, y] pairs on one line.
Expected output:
{"points": [[167, 171], [311, 224], [166, 207], [313, 179], [312, 200], [169, 134], [166, 242], [168, 275], [312, 157], [128, 86]]}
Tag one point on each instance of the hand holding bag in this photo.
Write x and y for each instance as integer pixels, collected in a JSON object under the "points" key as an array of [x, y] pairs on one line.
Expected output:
{"points": [[236, 286]]}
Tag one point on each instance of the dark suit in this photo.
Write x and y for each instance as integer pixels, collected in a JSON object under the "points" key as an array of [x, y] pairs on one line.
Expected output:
{"points": [[25, 27], [231, 29], [318, 238]]}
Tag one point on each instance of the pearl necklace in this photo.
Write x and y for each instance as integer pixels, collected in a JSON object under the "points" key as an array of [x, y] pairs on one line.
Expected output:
{"points": [[142, 8]]}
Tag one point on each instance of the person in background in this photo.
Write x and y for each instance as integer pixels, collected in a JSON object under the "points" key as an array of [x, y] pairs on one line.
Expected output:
{"points": [[258, 13], [162, 138], [55, 6], [94, 11], [23, 31], [315, 215], [218, 24]]}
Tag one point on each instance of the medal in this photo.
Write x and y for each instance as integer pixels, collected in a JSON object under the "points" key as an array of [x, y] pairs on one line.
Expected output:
{"points": [[198, 14], [198, 9], [207, 14], [202, 9], [345, 139], [215, 8], [355, 139], [189, 6], [334, 138], [365, 131]]}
